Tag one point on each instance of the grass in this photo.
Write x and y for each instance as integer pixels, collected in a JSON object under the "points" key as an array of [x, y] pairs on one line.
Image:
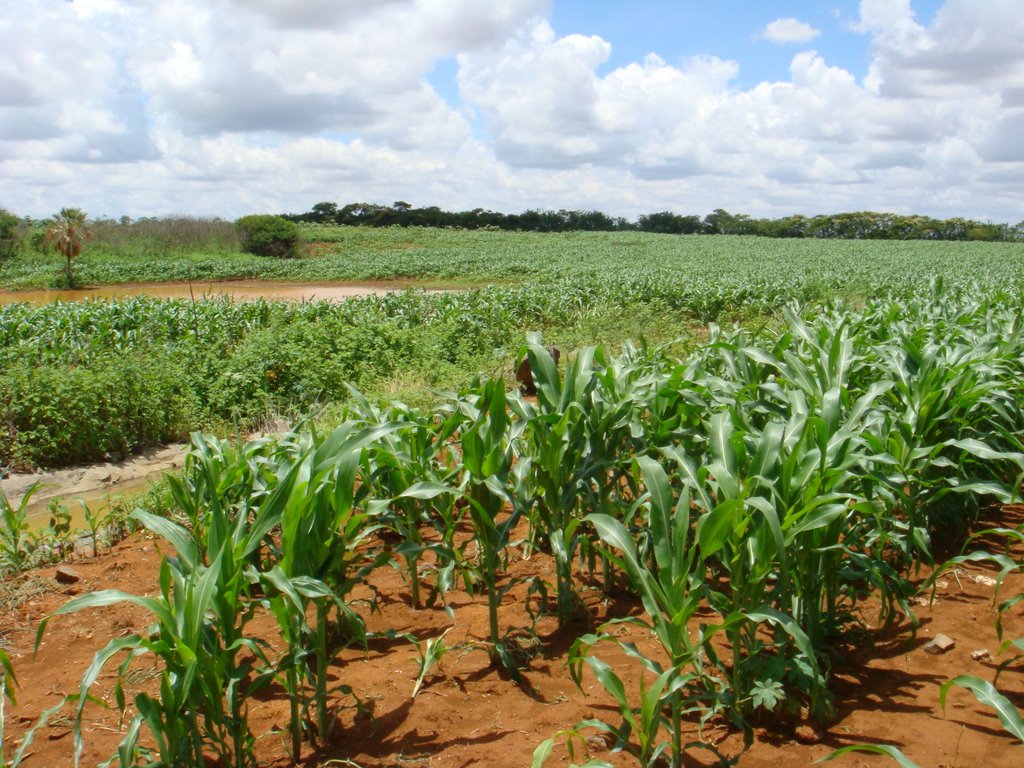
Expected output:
{"points": [[16, 591]]}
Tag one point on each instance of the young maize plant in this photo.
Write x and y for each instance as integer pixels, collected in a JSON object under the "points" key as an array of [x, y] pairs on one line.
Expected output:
{"points": [[410, 473], [210, 665], [801, 477], [672, 588], [625, 387], [487, 439], [16, 543], [320, 558], [199, 638], [556, 464]]}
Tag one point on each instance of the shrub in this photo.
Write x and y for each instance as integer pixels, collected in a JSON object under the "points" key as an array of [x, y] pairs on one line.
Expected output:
{"points": [[8, 234], [116, 405], [266, 235]]}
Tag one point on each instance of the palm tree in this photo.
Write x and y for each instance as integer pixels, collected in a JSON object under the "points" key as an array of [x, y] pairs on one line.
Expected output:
{"points": [[68, 231]]}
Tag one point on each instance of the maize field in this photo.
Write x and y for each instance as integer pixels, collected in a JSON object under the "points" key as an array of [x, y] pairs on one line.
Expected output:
{"points": [[750, 507]]}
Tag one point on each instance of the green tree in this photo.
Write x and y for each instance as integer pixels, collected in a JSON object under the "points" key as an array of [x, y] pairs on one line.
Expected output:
{"points": [[266, 235], [323, 213], [8, 233], [68, 233]]}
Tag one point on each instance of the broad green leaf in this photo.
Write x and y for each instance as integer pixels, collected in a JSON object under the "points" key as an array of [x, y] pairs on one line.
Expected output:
{"points": [[175, 535], [987, 694], [878, 749], [716, 527], [425, 489]]}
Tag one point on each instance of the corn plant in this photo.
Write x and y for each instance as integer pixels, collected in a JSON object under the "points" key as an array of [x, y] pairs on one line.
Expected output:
{"points": [[671, 587], [210, 665], [938, 451], [626, 387], [203, 684], [94, 520], [487, 440], [289, 601], [401, 468], [321, 557], [430, 652], [556, 464], [222, 480], [16, 542]]}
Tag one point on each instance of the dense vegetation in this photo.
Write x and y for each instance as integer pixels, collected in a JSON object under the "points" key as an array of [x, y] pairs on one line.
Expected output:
{"points": [[265, 235], [859, 225], [188, 249], [761, 485], [750, 491], [9, 225], [83, 381]]}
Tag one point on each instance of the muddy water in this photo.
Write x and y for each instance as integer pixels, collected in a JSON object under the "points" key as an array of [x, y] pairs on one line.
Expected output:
{"points": [[97, 501], [98, 485], [241, 290]]}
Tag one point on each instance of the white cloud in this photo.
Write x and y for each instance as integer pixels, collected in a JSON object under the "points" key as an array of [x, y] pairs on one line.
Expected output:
{"points": [[789, 30], [231, 106]]}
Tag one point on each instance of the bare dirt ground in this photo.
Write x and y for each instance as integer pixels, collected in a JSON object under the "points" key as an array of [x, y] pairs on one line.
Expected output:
{"points": [[887, 686]]}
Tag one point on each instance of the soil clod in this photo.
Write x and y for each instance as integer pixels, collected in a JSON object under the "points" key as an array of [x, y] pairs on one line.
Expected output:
{"points": [[940, 644], [65, 574]]}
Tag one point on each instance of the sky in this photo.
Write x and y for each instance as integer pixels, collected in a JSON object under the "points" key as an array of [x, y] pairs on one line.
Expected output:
{"points": [[228, 107]]}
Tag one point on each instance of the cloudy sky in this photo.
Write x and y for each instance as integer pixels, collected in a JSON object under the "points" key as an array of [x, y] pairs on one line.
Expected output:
{"points": [[226, 107]]}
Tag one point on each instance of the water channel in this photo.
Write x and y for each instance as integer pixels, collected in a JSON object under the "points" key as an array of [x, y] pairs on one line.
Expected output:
{"points": [[240, 290]]}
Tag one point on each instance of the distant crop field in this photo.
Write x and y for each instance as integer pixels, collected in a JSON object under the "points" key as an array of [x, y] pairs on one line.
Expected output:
{"points": [[333, 253]]}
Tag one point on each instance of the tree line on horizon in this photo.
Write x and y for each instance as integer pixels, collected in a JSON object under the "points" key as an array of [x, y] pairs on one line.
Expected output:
{"points": [[859, 225], [181, 232]]}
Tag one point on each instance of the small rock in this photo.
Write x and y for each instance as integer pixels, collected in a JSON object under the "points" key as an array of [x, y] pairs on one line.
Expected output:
{"points": [[987, 581], [65, 574], [808, 734], [600, 742], [981, 654], [940, 644]]}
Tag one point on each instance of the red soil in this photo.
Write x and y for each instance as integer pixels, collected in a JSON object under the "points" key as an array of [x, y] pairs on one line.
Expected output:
{"points": [[469, 715]]}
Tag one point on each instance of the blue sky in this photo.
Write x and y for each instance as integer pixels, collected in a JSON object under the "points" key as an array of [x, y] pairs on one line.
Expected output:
{"points": [[676, 30], [225, 107]]}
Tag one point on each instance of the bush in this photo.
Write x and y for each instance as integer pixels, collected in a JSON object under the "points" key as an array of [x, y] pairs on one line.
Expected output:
{"points": [[8, 234], [60, 415], [266, 235]]}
